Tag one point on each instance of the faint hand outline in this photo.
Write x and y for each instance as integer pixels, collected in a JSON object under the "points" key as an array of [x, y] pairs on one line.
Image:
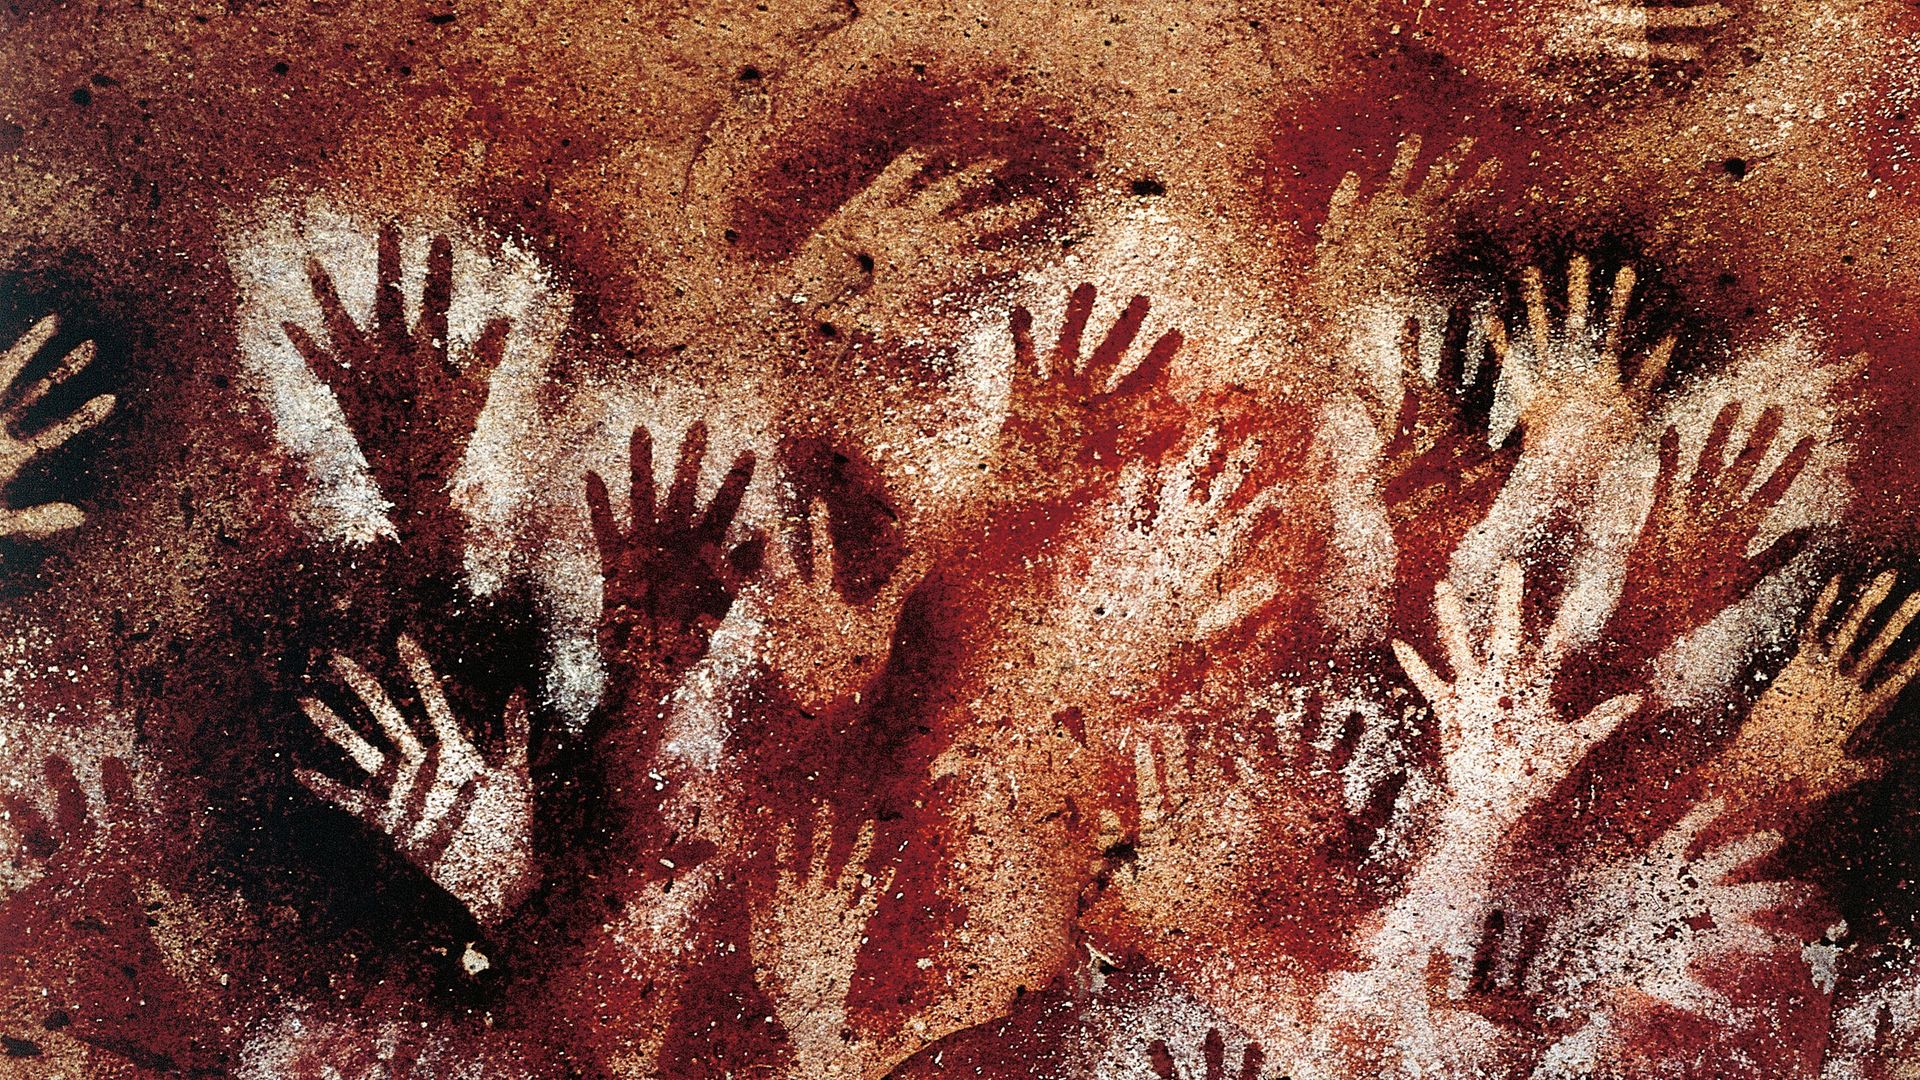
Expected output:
{"points": [[825, 646], [1621, 30], [807, 936], [75, 835], [859, 248], [1213, 1051], [1662, 913]]}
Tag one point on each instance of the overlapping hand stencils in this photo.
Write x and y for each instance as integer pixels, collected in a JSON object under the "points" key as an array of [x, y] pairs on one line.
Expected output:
{"points": [[1440, 462], [1440, 469], [1660, 922], [1195, 527], [1501, 745]]}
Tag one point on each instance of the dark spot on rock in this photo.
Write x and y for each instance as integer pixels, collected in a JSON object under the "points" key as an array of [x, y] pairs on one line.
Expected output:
{"points": [[442, 19], [19, 1047], [1728, 280], [866, 262], [1736, 167], [732, 236], [827, 330], [1121, 852], [1147, 187], [281, 68], [83, 96], [749, 74], [56, 1020], [11, 135], [104, 81]]}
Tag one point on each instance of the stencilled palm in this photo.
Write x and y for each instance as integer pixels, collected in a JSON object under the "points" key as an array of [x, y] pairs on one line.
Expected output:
{"points": [[1653, 922], [76, 839], [1571, 370], [466, 822], [1185, 545], [1635, 33], [825, 646], [1064, 422], [1709, 521], [1372, 248], [1213, 1060], [1179, 790], [882, 242], [1204, 819], [18, 449], [90, 932], [410, 405], [669, 577], [1440, 468], [806, 937], [1390, 1020], [1876, 1030], [1188, 791], [1796, 737], [1502, 745], [1436, 445]]}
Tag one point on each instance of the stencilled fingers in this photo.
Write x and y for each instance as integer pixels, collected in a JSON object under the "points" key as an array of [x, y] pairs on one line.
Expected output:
{"points": [[20, 445], [463, 820]]}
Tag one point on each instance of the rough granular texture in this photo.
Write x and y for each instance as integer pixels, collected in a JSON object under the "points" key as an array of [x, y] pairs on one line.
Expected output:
{"points": [[943, 539]]}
